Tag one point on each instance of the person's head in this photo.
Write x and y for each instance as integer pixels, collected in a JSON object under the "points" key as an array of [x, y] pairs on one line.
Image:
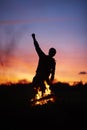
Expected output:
{"points": [[52, 52]]}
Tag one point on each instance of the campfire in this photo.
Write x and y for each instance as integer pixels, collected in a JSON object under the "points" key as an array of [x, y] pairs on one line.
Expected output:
{"points": [[43, 99]]}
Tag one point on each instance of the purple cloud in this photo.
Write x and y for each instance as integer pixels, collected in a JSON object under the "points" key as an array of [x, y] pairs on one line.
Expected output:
{"points": [[83, 72]]}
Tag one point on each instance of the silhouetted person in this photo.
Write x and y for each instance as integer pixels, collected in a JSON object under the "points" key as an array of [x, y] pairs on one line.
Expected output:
{"points": [[46, 66]]}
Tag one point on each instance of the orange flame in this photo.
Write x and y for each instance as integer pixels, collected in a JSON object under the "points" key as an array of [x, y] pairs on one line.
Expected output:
{"points": [[40, 99]]}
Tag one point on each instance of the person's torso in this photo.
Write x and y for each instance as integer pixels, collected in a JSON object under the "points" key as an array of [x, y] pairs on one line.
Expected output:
{"points": [[45, 65]]}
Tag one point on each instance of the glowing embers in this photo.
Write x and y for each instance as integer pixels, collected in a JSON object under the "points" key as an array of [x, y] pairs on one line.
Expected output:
{"points": [[43, 98]]}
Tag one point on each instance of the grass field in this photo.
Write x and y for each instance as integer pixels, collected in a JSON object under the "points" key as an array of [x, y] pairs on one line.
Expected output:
{"points": [[69, 108]]}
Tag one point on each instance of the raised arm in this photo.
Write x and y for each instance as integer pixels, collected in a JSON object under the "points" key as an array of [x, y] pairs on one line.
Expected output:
{"points": [[37, 47]]}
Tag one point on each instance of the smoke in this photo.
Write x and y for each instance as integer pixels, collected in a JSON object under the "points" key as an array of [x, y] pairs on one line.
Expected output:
{"points": [[10, 37], [7, 49], [9, 43]]}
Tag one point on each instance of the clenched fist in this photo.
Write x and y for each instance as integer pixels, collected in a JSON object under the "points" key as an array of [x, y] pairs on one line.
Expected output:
{"points": [[33, 35]]}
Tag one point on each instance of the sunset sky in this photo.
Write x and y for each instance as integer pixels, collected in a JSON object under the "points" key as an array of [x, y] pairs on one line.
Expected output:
{"points": [[61, 24]]}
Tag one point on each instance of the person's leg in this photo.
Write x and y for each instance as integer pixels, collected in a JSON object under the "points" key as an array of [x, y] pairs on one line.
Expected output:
{"points": [[43, 87], [38, 82], [35, 85]]}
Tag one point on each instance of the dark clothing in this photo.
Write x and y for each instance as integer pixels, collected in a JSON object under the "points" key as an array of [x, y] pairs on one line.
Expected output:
{"points": [[45, 66], [45, 69]]}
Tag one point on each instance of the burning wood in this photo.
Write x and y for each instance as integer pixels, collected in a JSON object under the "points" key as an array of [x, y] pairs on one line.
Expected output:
{"points": [[40, 98]]}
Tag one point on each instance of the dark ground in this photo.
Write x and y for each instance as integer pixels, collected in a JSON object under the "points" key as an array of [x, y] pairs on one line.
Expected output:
{"points": [[68, 111]]}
